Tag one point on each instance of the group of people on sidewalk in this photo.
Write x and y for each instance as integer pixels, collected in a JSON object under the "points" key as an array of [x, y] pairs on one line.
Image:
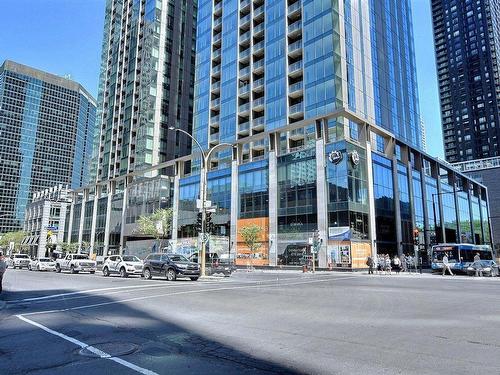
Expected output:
{"points": [[384, 264]]}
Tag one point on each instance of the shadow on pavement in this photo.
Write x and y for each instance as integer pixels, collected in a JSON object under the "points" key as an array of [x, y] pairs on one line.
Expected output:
{"points": [[160, 344]]}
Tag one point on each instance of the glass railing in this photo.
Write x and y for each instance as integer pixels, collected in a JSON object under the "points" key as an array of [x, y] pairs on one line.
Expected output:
{"points": [[245, 19], [258, 102], [245, 53], [258, 82], [258, 64], [245, 36], [216, 54], [215, 102], [295, 87], [294, 26], [216, 85], [218, 22], [216, 69], [244, 89], [244, 126], [244, 4], [258, 121], [295, 46], [214, 137], [218, 7], [244, 107], [294, 7], [258, 11], [297, 108], [217, 37], [215, 119], [258, 46], [245, 71], [257, 29]]}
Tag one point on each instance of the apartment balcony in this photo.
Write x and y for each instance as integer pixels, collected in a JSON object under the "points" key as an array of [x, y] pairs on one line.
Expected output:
{"points": [[296, 134], [216, 87], [217, 23], [244, 91], [296, 110], [245, 38], [216, 70], [244, 109], [258, 49], [295, 49], [216, 55], [214, 138], [258, 13], [258, 66], [217, 39], [258, 85], [258, 124], [244, 129], [258, 104], [245, 5], [218, 8], [215, 121], [258, 30], [295, 29], [245, 21], [259, 145], [215, 103], [294, 10], [245, 54], [245, 72], [295, 69], [295, 90]]}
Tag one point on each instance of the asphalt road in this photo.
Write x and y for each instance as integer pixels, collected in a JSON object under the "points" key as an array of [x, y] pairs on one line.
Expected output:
{"points": [[250, 323]]}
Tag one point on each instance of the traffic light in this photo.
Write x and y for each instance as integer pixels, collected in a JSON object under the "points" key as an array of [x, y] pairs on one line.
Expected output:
{"points": [[209, 223], [415, 236], [199, 222]]}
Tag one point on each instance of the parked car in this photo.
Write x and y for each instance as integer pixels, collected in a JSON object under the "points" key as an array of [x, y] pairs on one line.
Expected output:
{"points": [[122, 264], [42, 264], [76, 263], [213, 264], [489, 268], [20, 261], [170, 266]]}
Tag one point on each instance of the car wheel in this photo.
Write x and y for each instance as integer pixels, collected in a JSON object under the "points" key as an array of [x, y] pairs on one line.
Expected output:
{"points": [[193, 278], [123, 272], [38, 268], [73, 269], [58, 268], [147, 274], [170, 274], [92, 272], [105, 271], [29, 267]]}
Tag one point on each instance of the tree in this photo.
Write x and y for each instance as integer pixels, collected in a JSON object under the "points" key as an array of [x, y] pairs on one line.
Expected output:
{"points": [[158, 224], [251, 236], [69, 247], [15, 237]]}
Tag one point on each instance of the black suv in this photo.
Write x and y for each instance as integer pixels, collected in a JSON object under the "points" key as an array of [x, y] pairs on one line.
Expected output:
{"points": [[170, 266]]}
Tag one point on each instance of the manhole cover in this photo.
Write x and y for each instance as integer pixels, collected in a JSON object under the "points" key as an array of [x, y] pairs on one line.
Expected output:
{"points": [[113, 349]]}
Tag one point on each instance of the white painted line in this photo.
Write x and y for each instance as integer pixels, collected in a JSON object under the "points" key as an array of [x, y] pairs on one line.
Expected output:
{"points": [[79, 292], [185, 292], [90, 348]]}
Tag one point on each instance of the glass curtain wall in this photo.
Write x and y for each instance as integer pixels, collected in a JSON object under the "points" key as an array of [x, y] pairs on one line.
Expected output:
{"points": [[253, 188]]}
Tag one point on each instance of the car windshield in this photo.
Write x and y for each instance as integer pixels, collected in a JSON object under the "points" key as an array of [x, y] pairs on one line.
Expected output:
{"points": [[131, 258], [21, 256], [178, 258], [80, 257], [452, 252]]}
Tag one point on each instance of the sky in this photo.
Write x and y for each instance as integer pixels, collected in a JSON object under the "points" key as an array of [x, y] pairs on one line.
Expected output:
{"points": [[65, 36]]}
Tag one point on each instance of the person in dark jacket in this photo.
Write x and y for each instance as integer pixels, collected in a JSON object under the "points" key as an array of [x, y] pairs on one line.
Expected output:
{"points": [[3, 267]]}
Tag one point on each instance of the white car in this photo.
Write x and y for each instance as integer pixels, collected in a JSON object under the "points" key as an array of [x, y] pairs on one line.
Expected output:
{"points": [[122, 264], [42, 264], [20, 261]]}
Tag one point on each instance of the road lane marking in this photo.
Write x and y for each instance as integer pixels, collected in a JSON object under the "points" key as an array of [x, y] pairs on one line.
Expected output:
{"points": [[90, 348], [184, 292]]}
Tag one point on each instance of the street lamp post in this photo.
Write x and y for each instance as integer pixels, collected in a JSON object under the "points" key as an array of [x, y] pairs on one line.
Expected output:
{"points": [[205, 158]]}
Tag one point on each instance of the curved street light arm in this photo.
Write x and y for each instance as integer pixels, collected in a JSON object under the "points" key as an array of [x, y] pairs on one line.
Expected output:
{"points": [[220, 145], [194, 140]]}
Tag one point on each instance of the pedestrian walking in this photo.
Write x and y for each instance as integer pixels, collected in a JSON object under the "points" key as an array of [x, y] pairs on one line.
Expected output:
{"points": [[446, 265], [387, 261], [370, 263], [477, 265], [409, 262], [3, 267], [397, 264], [380, 264], [402, 262]]}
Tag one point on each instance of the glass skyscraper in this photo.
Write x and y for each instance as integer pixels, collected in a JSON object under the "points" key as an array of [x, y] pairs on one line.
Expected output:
{"points": [[467, 41], [46, 131]]}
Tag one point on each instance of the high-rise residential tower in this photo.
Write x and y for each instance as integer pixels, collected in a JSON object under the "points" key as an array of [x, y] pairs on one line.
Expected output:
{"points": [[146, 84], [46, 131], [467, 41]]}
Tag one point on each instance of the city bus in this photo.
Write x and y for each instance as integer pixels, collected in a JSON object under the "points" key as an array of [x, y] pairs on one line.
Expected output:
{"points": [[460, 255]]}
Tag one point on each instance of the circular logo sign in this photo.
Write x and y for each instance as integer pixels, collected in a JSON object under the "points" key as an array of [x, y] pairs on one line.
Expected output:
{"points": [[335, 157], [355, 157]]}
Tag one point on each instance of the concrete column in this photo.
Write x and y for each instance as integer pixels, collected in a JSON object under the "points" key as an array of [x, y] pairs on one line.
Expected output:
{"points": [[94, 219], [234, 205], [273, 209], [175, 206], [42, 241], [82, 219], [322, 202], [62, 225], [397, 206], [70, 224], [110, 192], [123, 216], [371, 199]]}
